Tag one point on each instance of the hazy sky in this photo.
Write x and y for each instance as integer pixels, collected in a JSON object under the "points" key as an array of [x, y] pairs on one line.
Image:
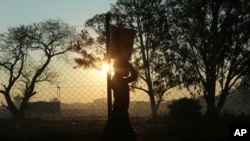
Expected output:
{"points": [[73, 12]]}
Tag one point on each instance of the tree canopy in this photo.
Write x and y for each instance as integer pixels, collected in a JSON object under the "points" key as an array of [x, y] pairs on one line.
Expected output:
{"points": [[213, 38], [23, 70], [156, 68], [201, 45]]}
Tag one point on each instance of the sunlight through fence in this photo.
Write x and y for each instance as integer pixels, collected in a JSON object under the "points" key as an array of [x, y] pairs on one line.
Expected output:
{"points": [[82, 94]]}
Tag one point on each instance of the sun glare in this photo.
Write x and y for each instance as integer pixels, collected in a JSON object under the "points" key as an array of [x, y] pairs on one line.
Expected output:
{"points": [[105, 67]]}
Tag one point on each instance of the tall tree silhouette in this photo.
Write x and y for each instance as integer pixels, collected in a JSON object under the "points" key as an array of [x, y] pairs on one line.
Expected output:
{"points": [[49, 39], [213, 38], [157, 69]]}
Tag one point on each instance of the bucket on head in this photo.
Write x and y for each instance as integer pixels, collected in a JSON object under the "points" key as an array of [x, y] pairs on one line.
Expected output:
{"points": [[121, 43]]}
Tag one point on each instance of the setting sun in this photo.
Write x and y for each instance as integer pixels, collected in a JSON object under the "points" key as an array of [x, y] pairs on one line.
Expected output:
{"points": [[105, 67]]}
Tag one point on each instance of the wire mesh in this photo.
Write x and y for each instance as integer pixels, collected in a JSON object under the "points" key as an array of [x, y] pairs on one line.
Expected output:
{"points": [[82, 94]]}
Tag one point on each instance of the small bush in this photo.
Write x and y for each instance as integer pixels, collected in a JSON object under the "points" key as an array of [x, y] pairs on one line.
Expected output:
{"points": [[184, 109]]}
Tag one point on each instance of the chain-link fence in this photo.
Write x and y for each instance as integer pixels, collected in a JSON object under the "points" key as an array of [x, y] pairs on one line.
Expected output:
{"points": [[76, 93], [82, 94]]}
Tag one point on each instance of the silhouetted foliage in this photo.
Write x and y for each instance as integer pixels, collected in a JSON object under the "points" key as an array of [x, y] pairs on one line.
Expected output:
{"points": [[89, 56], [157, 69], [185, 109], [24, 70], [212, 40], [201, 45]]}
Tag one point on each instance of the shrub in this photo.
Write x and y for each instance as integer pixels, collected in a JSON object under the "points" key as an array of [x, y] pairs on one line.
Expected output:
{"points": [[184, 109]]}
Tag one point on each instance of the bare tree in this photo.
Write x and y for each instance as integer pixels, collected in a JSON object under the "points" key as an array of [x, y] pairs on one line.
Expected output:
{"points": [[46, 40]]}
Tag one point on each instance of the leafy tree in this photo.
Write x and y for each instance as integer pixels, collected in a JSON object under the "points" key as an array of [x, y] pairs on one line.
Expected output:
{"points": [[213, 42], [46, 40], [157, 69]]}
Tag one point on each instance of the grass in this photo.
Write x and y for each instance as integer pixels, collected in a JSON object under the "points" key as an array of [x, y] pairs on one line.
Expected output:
{"points": [[50, 130], [79, 130]]}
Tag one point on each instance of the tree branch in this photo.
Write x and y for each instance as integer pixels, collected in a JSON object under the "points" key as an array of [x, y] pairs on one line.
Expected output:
{"points": [[139, 88]]}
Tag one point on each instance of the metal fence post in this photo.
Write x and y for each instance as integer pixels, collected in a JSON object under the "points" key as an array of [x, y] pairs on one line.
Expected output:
{"points": [[109, 93]]}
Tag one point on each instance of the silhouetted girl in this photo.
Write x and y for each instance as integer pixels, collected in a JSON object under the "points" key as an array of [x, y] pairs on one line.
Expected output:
{"points": [[119, 127]]}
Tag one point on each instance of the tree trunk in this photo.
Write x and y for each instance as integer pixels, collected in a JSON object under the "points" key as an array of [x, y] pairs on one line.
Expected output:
{"points": [[210, 90], [153, 105], [19, 115], [221, 101], [211, 110], [11, 106]]}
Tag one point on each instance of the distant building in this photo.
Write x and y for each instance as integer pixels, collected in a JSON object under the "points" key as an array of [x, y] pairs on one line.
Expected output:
{"points": [[44, 110]]}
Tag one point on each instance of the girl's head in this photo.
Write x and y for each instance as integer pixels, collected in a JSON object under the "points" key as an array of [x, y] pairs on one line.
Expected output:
{"points": [[121, 67]]}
